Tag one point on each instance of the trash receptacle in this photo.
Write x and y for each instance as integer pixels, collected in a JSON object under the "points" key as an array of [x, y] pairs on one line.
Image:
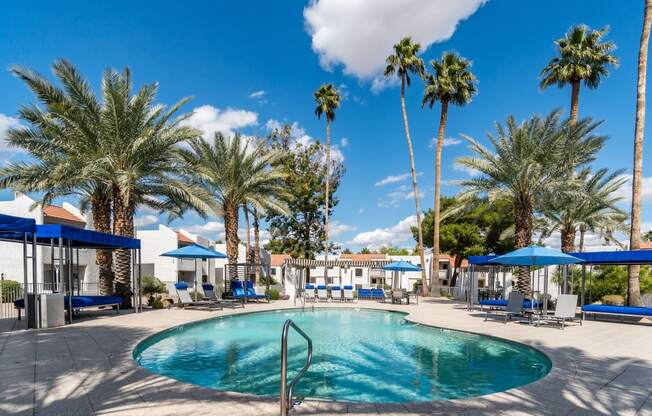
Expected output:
{"points": [[52, 310]]}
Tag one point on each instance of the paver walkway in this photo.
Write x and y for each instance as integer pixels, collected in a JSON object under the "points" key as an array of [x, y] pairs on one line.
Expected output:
{"points": [[87, 369]]}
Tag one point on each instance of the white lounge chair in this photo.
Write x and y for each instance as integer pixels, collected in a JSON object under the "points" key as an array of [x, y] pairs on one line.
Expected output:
{"points": [[322, 293], [210, 295], [336, 293], [186, 301], [514, 307], [348, 293], [309, 293], [566, 309]]}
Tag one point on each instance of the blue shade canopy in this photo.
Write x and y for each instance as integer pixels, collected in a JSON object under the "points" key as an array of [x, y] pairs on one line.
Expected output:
{"points": [[482, 260], [535, 256], [11, 224], [621, 257], [194, 251], [402, 266], [77, 237]]}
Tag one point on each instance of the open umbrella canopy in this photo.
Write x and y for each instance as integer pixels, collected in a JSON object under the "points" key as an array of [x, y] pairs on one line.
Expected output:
{"points": [[194, 251], [402, 266], [535, 256]]}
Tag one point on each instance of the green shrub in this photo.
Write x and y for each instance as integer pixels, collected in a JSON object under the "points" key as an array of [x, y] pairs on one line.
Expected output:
{"points": [[11, 290], [266, 281], [150, 285], [615, 300], [272, 293], [605, 280]]}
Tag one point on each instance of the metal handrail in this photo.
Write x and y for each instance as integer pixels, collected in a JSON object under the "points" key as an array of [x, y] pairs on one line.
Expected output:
{"points": [[286, 390]]}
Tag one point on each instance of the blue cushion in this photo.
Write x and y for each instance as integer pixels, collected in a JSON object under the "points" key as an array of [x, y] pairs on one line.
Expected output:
{"points": [[82, 301], [207, 286], [321, 287], [181, 285], [493, 302], [623, 310], [348, 287], [310, 286], [335, 288]]}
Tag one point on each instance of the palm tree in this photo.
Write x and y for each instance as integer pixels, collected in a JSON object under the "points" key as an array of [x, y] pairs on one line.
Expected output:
{"points": [[404, 62], [142, 160], [582, 57], [522, 168], [236, 171], [64, 141], [634, 284], [257, 256], [588, 203], [328, 100], [452, 82]]}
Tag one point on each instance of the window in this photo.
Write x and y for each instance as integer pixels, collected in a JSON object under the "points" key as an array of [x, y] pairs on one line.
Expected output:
{"points": [[443, 265], [273, 271], [358, 272]]}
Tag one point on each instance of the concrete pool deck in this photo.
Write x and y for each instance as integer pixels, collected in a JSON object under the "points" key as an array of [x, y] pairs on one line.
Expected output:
{"points": [[87, 369]]}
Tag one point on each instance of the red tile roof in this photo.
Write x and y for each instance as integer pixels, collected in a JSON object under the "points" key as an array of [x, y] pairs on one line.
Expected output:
{"points": [[183, 239], [54, 211], [278, 259]]}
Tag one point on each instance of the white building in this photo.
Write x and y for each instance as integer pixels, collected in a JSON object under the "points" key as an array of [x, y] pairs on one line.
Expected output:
{"points": [[221, 265], [11, 255], [170, 270]]}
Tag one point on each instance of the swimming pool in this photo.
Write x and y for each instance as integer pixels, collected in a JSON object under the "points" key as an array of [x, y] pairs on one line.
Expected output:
{"points": [[360, 355]]}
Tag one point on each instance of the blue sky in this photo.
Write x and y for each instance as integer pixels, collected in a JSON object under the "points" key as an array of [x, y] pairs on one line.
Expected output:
{"points": [[251, 64]]}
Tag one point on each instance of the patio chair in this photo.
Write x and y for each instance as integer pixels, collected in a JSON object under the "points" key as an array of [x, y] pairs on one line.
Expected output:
{"points": [[209, 294], [322, 293], [514, 307], [251, 292], [186, 302], [398, 295], [566, 309], [309, 293], [378, 294], [239, 292], [364, 293], [336, 293], [348, 293]]}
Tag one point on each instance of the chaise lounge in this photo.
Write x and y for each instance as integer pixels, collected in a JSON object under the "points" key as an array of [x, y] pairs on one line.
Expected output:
{"points": [[209, 294], [619, 311], [81, 302]]}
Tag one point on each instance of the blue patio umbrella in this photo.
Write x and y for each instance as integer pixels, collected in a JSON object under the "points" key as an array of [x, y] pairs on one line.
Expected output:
{"points": [[402, 266], [194, 251], [536, 256]]}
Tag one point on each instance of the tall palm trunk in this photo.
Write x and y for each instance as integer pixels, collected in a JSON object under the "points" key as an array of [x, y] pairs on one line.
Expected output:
{"points": [[568, 239], [248, 256], [435, 291], [582, 234], [575, 100], [523, 219], [123, 224], [257, 258], [231, 233], [415, 188], [101, 212], [634, 284], [328, 188]]}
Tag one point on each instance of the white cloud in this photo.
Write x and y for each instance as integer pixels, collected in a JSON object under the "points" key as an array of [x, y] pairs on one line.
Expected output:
{"points": [[210, 120], [625, 191], [359, 34], [449, 141], [392, 179], [336, 228], [361, 211], [258, 94], [300, 137], [344, 142], [146, 220], [469, 171], [400, 194], [6, 123], [395, 235]]}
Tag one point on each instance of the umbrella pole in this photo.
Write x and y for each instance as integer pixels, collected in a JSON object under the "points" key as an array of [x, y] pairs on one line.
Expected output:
{"points": [[195, 280], [545, 291]]}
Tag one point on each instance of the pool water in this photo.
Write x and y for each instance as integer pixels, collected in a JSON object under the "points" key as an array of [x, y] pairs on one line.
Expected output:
{"points": [[359, 356]]}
